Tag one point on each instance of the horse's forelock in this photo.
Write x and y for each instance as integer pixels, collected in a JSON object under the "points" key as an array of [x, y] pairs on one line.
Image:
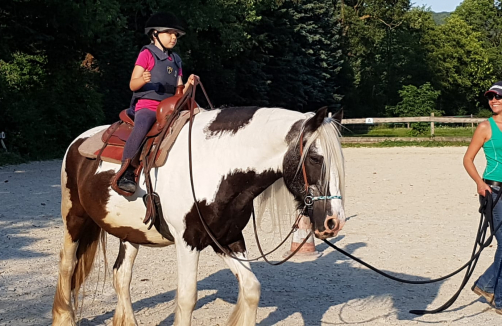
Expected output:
{"points": [[328, 138]]}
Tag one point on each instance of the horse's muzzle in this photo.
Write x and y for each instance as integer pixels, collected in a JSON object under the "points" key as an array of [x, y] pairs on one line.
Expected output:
{"points": [[332, 225]]}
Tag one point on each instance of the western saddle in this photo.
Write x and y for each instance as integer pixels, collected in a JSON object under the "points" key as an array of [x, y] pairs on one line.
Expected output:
{"points": [[115, 137]]}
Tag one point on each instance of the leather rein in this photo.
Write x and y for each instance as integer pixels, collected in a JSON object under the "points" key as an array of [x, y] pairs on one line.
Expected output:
{"points": [[204, 223], [486, 222]]}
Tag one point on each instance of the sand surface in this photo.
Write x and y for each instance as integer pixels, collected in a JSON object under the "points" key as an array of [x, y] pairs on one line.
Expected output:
{"points": [[412, 212]]}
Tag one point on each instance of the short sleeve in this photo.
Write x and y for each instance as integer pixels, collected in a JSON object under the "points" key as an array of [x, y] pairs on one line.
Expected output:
{"points": [[177, 59], [145, 60]]}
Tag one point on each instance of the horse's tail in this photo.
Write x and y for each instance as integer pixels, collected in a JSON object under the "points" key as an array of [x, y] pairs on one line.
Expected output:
{"points": [[92, 237]]}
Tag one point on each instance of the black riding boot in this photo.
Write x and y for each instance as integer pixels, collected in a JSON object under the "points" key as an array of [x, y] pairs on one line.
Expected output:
{"points": [[127, 182]]}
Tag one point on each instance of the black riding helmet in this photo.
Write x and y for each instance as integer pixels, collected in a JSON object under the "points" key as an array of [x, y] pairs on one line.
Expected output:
{"points": [[163, 21]]}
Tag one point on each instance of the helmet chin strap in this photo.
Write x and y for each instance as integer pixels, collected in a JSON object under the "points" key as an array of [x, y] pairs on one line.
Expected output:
{"points": [[166, 50]]}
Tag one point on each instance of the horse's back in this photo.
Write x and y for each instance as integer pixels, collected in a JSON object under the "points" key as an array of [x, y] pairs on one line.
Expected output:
{"points": [[86, 193]]}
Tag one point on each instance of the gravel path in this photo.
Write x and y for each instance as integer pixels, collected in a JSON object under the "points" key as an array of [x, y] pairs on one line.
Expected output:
{"points": [[412, 211]]}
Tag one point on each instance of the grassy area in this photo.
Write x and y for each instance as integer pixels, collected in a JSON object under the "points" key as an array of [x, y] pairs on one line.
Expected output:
{"points": [[393, 143], [383, 131]]}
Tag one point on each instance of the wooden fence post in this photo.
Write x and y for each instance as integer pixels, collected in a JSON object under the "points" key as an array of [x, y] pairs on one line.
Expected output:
{"points": [[432, 125]]}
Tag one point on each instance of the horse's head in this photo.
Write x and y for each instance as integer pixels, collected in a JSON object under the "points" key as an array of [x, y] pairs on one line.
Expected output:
{"points": [[314, 172]]}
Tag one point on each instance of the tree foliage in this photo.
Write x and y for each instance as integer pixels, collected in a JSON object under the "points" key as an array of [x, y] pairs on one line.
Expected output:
{"points": [[65, 65]]}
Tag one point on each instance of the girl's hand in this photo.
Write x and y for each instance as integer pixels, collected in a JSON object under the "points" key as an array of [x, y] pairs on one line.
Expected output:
{"points": [[191, 80], [147, 76]]}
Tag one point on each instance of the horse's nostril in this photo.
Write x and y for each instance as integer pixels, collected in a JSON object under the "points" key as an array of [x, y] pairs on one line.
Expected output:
{"points": [[332, 224]]}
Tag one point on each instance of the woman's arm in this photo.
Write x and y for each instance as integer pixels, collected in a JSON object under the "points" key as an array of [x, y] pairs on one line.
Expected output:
{"points": [[139, 78], [481, 135]]}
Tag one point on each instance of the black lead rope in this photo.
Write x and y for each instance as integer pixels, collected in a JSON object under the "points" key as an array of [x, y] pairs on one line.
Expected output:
{"points": [[486, 221]]}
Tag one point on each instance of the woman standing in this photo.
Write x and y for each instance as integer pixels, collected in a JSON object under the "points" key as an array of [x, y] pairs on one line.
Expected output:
{"points": [[488, 135]]}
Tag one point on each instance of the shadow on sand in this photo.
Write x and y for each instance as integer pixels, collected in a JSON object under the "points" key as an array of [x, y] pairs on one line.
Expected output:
{"points": [[329, 281]]}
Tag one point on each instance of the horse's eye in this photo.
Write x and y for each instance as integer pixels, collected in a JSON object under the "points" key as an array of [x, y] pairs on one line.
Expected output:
{"points": [[314, 159]]}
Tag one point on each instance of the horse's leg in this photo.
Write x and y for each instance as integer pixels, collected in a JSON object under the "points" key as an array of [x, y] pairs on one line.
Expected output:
{"points": [[122, 274], [62, 311], [186, 297], [244, 313]]}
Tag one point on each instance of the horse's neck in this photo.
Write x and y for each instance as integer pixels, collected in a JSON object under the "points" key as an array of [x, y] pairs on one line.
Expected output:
{"points": [[261, 143]]}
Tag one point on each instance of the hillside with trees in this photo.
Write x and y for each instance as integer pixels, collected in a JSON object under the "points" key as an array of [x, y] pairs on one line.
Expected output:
{"points": [[65, 65], [440, 17]]}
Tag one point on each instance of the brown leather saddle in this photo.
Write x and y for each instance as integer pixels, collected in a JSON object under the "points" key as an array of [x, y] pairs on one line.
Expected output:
{"points": [[115, 137]]}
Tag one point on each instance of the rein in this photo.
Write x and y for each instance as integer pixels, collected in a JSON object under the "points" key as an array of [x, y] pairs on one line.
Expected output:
{"points": [[191, 96], [486, 221]]}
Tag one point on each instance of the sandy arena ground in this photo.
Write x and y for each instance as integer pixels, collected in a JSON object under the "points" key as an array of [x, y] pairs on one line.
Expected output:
{"points": [[412, 212]]}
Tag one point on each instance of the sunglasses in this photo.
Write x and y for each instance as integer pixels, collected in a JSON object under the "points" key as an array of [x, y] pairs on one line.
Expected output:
{"points": [[491, 96]]}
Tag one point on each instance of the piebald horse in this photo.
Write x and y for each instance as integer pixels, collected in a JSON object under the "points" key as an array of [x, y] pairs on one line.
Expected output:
{"points": [[239, 156]]}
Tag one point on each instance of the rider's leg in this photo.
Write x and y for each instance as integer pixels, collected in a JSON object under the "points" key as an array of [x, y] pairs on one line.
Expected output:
{"points": [[143, 121]]}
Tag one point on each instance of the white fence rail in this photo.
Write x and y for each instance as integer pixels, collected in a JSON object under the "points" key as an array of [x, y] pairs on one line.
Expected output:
{"points": [[432, 120]]}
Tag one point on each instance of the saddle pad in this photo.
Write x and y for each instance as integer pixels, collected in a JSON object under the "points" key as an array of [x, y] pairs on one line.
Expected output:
{"points": [[168, 141], [92, 144]]}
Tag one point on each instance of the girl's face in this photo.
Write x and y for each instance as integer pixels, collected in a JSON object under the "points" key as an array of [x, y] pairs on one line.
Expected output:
{"points": [[168, 38]]}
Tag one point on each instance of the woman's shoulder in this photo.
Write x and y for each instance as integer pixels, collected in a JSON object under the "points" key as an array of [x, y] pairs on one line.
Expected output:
{"points": [[484, 124]]}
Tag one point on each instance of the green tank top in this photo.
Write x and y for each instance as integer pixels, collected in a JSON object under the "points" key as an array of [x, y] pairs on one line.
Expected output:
{"points": [[493, 154]]}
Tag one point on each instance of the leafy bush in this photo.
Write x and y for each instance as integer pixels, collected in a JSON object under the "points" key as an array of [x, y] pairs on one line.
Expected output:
{"points": [[416, 102], [44, 110]]}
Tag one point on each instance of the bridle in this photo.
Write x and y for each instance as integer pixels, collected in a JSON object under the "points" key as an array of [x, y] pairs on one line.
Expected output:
{"points": [[309, 196]]}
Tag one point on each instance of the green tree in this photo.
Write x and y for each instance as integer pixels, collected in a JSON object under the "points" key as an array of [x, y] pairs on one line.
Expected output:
{"points": [[416, 102], [300, 49], [461, 64], [383, 51]]}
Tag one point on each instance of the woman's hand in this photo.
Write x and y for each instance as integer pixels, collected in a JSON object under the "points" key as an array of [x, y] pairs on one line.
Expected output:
{"points": [[483, 187]]}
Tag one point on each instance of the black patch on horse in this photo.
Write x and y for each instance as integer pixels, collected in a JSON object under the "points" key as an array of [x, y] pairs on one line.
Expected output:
{"points": [[294, 132], [230, 120], [229, 213]]}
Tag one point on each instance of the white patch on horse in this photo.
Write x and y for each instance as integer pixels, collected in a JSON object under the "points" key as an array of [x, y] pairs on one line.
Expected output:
{"points": [[130, 211], [250, 149]]}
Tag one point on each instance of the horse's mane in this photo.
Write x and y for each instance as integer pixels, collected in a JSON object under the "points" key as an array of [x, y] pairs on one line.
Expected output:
{"points": [[278, 202]]}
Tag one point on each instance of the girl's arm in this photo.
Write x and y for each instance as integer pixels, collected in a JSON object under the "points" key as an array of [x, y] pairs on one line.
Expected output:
{"points": [[481, 135], [190, 81], [139, 78]]}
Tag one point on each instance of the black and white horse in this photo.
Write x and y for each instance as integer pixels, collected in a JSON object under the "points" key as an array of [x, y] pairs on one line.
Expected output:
{"points": [[239, 156]]}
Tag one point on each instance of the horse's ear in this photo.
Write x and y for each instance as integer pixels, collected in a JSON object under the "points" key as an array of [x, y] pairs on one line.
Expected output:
{"points": [[338, 116], [316, 121]]}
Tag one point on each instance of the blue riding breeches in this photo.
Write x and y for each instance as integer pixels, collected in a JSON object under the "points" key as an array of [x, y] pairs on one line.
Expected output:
{"points": [[491, 280], [143, 121]]}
